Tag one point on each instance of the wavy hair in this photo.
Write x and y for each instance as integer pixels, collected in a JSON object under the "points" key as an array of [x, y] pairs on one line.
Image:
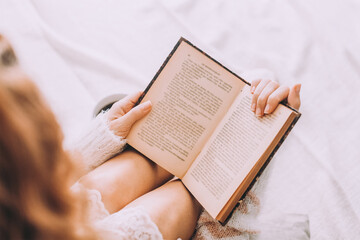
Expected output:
{"points": [[35, 172]]}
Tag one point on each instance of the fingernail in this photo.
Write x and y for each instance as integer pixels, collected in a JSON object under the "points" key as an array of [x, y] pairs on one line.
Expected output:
{"points": [[258, 112], [298, 88], [267, 109], [253, 107], [252, 90]]}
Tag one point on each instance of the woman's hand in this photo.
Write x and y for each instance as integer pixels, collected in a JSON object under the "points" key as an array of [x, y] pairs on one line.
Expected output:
{"points": [[268, 94], [122, 115]]}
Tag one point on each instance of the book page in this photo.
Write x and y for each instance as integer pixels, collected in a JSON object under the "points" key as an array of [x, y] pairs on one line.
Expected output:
{"points": [[190, 96], [234, 148]]}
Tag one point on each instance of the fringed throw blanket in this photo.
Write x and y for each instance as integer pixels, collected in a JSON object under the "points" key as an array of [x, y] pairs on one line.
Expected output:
{"points": [[248, 222]]}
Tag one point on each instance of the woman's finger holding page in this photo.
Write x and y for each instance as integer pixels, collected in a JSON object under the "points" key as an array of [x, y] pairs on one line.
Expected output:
{"points": [[257, 93], [254, 84], [138, 112], [294, 96], [275, 98], [263, 97]]}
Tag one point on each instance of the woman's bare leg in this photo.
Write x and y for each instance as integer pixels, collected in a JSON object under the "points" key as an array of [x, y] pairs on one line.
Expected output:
{"points": [[125, 178], [129, 179], [173, 209]]}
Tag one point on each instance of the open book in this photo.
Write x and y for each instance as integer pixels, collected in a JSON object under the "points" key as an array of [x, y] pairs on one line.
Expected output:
{"points": [[202, 130]]}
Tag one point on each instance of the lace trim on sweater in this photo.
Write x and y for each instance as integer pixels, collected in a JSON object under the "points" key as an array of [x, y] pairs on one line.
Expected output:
{"points": [[130, 223]]}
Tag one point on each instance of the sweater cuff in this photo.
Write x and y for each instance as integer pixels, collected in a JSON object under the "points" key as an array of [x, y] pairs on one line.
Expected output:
{"points": [[98, 143]]}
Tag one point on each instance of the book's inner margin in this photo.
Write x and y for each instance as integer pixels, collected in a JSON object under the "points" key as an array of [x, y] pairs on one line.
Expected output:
{"points": [[190, 96], [236, 145]]}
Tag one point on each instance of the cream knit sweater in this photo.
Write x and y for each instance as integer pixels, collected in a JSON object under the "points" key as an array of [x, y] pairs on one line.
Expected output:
{"points": [[95, 146], [98, 143]]}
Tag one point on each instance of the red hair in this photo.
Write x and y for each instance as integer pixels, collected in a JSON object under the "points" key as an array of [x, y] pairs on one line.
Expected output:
{"points": [[35, 172]]}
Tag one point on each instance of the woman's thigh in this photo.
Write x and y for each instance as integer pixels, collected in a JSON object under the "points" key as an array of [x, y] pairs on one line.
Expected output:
{"points": [[124, 178]]}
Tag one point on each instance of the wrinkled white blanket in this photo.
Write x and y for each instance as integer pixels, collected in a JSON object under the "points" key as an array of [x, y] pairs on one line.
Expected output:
{"points": [[81, 51]]}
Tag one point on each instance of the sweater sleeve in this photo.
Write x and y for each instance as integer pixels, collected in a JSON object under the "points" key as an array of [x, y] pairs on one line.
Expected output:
{"points": [[97, 144]]}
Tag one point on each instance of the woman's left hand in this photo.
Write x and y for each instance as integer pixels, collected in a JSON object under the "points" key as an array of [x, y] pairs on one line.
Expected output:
{"points": [[122, 115]]}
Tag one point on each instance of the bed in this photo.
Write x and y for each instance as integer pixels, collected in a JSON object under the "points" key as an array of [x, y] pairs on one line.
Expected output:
{"points": [[79, 52]]}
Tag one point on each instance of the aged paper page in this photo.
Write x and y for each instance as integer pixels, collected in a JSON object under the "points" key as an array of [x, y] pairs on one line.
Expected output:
{"points": [[190, 96], [234, 148]]}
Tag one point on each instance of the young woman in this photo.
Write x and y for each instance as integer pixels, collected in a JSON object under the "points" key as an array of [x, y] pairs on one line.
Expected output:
{"points": [[126, 197]]}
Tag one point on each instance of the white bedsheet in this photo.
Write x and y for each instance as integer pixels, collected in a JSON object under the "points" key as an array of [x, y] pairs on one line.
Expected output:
{"points": [[80, 51]]}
